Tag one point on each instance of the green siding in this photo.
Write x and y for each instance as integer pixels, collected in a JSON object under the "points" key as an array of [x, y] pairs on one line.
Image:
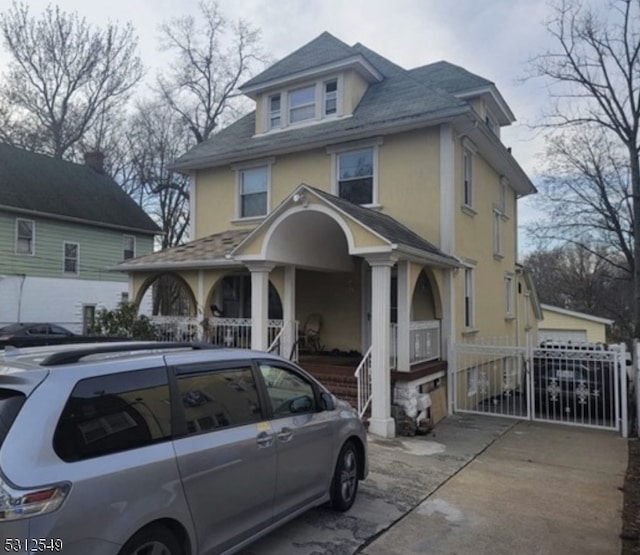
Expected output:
{"points": [[99, 249]]}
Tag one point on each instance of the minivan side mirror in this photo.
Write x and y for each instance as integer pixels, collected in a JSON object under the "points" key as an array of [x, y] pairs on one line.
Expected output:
{"points": [[327, 401]]}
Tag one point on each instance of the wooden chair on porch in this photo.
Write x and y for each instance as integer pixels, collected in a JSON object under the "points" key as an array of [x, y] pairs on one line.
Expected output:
{"points": [[309, 335]]}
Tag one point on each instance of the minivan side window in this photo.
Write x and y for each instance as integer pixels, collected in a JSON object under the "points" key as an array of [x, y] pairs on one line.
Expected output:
{"points": [[113, 413], [10, 404], [289, 393], [219, 399]]}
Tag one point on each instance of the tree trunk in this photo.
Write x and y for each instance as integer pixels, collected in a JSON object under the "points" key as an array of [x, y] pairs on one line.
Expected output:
{"points": [[635, 188]]}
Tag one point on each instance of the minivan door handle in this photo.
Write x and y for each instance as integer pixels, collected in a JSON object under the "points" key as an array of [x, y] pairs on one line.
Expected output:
{"points": [[264, 439], [285, 434]]}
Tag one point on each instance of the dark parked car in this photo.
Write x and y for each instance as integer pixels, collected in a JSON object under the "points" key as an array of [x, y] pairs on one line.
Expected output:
{"points": [[34, 334], [567, 385]]}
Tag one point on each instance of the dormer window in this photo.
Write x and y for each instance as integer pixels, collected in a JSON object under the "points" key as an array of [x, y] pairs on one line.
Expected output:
{"points": [[274, 111], [302, 104], [330, 97]]}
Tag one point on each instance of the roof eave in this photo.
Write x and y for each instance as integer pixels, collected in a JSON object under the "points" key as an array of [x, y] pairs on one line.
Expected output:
{"points": [[508, 117], [358, 63], [182, 265], [434, 118], [93, 223]]}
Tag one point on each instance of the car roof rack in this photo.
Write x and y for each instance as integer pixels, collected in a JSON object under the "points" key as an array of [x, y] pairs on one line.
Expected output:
{"points": [[75, 355]]}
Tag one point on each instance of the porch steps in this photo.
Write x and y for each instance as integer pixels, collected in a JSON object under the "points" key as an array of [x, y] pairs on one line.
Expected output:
{"points": [[336, 375]]}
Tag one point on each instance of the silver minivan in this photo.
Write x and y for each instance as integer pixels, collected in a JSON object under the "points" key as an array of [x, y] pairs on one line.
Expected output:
{"points": [[165, 449]]}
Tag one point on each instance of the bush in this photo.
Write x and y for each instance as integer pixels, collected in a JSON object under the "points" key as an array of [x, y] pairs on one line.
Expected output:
{"points": [[124, 322]]}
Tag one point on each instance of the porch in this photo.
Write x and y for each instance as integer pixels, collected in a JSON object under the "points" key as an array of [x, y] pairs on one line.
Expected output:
{"points": [[345, 374]]}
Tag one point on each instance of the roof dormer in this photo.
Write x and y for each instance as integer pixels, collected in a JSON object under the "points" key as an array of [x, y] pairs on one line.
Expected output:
{"points": [[321, 81]]}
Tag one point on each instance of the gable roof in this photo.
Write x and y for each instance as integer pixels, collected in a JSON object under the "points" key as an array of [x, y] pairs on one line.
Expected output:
{"points": [[575, 314], [36, 184]]}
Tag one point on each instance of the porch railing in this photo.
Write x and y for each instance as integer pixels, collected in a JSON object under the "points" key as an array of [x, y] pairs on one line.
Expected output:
{"points": [[363, 377], [424, 342], [285, 343], [227, 332], [177, 328]]}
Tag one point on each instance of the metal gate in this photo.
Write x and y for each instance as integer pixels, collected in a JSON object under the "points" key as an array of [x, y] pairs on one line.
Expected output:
{"points": [[580, 384]]}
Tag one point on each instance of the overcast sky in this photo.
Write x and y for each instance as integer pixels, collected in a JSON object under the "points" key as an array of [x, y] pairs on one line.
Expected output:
{"points": [[492, 38]]}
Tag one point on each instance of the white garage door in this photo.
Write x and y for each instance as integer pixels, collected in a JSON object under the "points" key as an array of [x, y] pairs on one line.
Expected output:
{"points": [[562, 336]]}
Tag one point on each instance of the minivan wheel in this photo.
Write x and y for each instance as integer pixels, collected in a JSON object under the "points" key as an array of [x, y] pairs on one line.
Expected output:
{"points": [[153, 541], [345, 478]]}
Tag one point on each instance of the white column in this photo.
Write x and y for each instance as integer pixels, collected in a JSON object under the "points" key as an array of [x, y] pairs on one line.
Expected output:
{"points": [[381, 423], [448, 332], [404, 316], [289, 310], [259, 305], [200, 309]]}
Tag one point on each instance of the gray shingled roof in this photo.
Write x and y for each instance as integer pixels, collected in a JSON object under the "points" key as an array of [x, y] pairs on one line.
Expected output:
{"points": [[383, 224], [449, 77], [197, 253], [321, 51], [398, 99], [37, 183]]}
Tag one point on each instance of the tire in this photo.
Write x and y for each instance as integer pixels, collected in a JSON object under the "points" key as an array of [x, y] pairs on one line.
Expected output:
{"points": [[344, 485], [153, 540]]}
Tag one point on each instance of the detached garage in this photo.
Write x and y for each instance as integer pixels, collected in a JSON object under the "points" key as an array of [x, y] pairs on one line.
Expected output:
{"points": [[560, 324]]}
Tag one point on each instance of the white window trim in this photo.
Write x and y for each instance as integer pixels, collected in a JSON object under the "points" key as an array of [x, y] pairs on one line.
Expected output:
{"points": [[135, 246], [64, 258], [33, 237], [238, 169], [469, 327], [467, 153], [498, 247], [320, 117], [504, 188], [509, 285], [337, 150]]}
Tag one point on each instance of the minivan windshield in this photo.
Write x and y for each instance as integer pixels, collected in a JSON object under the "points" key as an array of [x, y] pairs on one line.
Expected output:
{"points": [[10, 404]]}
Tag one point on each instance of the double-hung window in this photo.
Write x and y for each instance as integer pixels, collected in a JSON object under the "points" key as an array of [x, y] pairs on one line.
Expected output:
{"points": [[302, 104], [254, 190], [508, 291], [274, 111], [355, 176], [467, 178], [469, 308], [71, 256], [128, 247], [330, 97], [25, 231], [497, 233]]}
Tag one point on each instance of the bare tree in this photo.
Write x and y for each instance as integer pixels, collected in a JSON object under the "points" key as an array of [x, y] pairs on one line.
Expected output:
{"points": [[578, 279], [211, 56], [64, 76], [594, 68], [156, 137]]}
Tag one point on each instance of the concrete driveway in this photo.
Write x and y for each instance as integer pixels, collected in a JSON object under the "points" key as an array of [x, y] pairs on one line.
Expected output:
{"points": [[476, 485]]}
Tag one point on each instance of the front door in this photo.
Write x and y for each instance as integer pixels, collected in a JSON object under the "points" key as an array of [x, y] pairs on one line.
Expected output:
{"points": [[227, 459], [303, 437]]}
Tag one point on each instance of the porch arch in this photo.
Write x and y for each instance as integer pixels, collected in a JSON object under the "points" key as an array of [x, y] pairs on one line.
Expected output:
{"points": [[238, 284], [426, 301], [173, 295]]}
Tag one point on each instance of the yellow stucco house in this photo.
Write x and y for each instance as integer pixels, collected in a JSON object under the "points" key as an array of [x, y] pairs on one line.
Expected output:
{"points": [[365, 209], [562, 325]]}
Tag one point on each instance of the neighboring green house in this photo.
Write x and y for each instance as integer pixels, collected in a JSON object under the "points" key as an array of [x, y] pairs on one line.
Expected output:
{"points": [[62, 225]]}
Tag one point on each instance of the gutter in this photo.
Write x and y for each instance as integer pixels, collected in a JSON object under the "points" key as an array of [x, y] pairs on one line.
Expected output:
{"points": [[50, 216], [407, 124]]}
